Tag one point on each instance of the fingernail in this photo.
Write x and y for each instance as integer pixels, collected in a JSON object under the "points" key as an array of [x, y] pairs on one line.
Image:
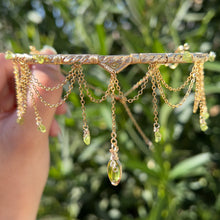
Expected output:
{"points": [[47, 47]]}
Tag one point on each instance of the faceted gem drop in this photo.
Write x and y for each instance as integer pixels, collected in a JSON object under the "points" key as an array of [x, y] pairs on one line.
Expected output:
{"points": [[114, 170], [206, 115], [203, 126], [20, 120], [186, 46], [8, 54], [42, 128], [157, 136], [212, 56], [86, 137]]}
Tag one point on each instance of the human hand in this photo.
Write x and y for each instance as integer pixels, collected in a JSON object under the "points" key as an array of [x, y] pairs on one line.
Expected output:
{"points": [[24, 150]]}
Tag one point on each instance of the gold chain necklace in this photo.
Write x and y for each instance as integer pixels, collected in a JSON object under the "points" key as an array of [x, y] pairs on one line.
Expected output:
{"points": [[26, 84]]}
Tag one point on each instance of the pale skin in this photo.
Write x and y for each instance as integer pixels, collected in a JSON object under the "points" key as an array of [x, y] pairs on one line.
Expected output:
{"points": [[24, 150]]}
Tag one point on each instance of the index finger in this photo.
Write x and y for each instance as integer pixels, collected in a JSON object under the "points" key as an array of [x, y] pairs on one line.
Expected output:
{"points": [[6, 71]]}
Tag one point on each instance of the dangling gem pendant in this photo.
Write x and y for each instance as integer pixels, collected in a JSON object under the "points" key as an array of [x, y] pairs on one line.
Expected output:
{"points": [[114, 169], [86, 136]]}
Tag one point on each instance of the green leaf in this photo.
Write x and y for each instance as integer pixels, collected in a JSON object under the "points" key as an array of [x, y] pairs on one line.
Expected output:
{"points": [[102, 38], [215, 66], [212, 89], [137, 164], [188, 166]]}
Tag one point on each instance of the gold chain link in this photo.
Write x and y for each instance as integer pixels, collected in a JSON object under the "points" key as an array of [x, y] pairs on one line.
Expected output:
{"points": [[24, 87], [82, 100], [154, 94], [47, 88], [72, 75], [143, 83], [86, 87], [19, 93], [201, 87], [114, 146], [192, 76], [160, 78]]}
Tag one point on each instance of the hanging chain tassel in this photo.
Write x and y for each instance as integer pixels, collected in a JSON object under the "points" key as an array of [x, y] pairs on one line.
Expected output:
{"points": [[197, 88], [38, 119], [200, 99], [202, 105], [86, 132], [114, 168], [23, 85], [18, 93], [156, 126]]}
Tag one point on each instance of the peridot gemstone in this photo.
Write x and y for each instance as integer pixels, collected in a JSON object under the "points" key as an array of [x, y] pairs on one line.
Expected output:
{"points": [[114, 170], [203, 126], [42, 128], [187, 56], [86, 137], [206, 115], [39, 59], [186, 46], [157, 136], [8, 55], [20, 120], [212, 56]]}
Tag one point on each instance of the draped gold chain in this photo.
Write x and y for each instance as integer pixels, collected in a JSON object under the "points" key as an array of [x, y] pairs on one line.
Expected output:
{"points": [[28, 85]]}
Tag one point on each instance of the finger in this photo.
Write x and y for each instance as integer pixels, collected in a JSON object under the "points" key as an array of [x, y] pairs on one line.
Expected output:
{"points": [[62, 109], [8, 102], [54, 129], [7, 91], [6, 70]]}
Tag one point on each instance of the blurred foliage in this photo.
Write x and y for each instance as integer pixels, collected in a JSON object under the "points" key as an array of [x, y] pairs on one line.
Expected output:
{"points": [[179, 179]]}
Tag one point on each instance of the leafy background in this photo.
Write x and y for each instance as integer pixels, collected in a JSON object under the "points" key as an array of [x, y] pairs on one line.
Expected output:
{"points": [[180, 178]]}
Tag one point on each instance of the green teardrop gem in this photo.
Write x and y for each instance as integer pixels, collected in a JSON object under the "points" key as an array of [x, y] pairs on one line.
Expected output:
{"points": [[114, 170], [42, 128], [212, 56], [203, 126], [86, 137], [8, 55], [206, 115], [187, 57], [20, 120], [157, 136], [186, 46]]}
